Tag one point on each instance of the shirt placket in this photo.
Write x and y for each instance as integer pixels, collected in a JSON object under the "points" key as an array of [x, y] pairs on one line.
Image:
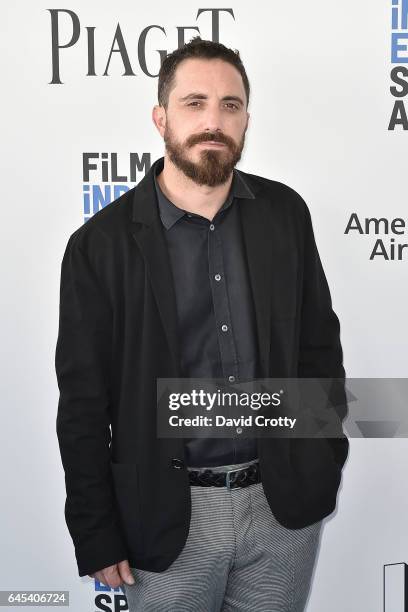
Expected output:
{"points": [[221, 304], [222, 312]]}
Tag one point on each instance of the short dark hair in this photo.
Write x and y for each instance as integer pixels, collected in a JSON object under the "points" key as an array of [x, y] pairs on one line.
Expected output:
{"points": [[201, 49]]}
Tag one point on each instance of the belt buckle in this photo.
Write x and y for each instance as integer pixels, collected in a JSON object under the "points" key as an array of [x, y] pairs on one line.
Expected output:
{"points": [[227, 478]]}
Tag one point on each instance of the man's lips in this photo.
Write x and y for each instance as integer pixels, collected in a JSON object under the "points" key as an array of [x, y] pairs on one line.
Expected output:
{"points": [[212, 143]]}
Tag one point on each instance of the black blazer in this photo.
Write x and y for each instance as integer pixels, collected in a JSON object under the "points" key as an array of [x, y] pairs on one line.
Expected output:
{"points": [[128, 495]]}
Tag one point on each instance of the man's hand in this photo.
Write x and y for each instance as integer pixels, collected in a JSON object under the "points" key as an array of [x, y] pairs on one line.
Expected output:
{"points": [[114, 575]]}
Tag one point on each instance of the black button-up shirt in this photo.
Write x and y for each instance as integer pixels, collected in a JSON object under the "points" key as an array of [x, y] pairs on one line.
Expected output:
{"points": [[214, 305]]}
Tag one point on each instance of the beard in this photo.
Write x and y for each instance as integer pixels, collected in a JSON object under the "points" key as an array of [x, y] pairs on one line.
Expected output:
{"points": [[214, 166]]}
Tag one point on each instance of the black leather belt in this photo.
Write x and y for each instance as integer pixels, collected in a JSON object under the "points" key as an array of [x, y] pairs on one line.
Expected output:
{"points": [[232, 479]]}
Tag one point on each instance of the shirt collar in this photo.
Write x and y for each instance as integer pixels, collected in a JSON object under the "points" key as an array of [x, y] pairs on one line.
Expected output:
{"points": [[170, 213]]}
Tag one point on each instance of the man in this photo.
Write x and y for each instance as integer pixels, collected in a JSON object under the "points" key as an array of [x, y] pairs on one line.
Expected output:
{"points": [[202, 271]]}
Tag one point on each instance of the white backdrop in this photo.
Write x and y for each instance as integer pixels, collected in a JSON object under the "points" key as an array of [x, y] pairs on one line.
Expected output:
{"points": [[320, 109]]}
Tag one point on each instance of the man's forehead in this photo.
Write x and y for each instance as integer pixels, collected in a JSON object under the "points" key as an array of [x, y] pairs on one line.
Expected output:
{"points": [[191, 81], [193, 71]]}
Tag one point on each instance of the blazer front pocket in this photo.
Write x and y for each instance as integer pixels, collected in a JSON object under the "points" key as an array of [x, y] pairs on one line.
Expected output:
{"points": [[126, 486]]}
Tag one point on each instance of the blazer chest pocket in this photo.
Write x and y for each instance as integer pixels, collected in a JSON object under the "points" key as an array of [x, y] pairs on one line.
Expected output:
{"points": [[126, 487]]}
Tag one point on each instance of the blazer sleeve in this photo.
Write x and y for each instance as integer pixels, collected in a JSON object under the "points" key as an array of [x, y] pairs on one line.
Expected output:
{"points": [[320, 350], [82, 363]]}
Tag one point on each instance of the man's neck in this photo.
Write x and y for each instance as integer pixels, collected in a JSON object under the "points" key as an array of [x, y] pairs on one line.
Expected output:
{"points": [[186, 194]]}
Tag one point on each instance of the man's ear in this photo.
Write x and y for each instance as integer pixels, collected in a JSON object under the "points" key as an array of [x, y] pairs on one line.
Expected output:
{"points": [[159, 118]]}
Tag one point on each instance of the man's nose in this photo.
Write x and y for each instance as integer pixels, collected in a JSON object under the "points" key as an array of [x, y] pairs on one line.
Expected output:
{"points": [[213, 120]]}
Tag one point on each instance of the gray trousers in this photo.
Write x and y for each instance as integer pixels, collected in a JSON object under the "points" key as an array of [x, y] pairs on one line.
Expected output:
{"points": [[237, 558]]}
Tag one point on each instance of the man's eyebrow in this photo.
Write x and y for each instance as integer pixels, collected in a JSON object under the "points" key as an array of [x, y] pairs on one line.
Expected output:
{"points": [[201, 96]]}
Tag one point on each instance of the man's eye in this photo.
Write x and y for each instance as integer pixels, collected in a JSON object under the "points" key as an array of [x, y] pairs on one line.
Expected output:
{"points": [[230, 105]]}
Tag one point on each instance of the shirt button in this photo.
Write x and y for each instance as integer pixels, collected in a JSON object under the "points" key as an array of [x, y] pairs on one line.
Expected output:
{"points": [[224, 327], [177, 463], [239, 430], [231, 378], [211, 226], [217, 277]]}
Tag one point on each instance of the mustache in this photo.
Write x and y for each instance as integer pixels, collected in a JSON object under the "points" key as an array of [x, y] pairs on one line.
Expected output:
{"points": [[216, 137]]}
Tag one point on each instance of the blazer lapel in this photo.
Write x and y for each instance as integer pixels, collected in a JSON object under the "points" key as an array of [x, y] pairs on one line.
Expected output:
{"points": [[148, 232]]}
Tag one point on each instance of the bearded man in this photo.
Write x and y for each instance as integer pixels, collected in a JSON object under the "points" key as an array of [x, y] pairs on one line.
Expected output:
{"points": [[200, 271]]}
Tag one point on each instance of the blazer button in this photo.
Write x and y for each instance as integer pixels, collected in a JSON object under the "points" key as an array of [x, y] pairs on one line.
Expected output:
{"points": [[177, 463]]}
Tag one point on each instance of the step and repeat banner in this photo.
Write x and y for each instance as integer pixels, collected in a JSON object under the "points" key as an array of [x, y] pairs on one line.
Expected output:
{"points": [[329, 118]]}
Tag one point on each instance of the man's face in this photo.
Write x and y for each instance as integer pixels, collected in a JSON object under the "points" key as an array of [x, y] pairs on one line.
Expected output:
{"points": [[206, 120]]}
